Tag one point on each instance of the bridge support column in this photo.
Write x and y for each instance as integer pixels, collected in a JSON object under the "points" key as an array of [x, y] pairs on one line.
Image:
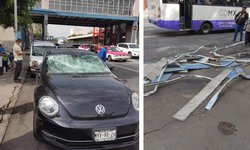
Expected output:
{"points": [[105, 36], [118, 34], [134, 32], [111, 41], [45, 28]]}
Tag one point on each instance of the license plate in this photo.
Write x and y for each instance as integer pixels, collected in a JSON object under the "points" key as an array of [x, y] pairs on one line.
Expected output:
{"points": [[101, 135]]}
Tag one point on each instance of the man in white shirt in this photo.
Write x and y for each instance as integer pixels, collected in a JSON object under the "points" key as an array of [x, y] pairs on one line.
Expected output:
{"points": [[18, 58]]}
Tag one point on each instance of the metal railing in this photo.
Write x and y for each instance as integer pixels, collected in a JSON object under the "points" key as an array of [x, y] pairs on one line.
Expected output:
{"points": [[106, 7]]}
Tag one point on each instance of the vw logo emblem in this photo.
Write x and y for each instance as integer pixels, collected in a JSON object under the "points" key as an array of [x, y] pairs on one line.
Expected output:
{"points": [[100, 109]]}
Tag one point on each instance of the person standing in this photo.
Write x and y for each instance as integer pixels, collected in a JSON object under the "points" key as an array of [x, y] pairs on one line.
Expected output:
{"points": [[240, 20], [2, 51], [18, 58], [102, 54], [247, 35]]}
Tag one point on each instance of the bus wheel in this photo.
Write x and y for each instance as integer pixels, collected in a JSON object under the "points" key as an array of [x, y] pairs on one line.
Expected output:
{"points": [[205, 28]]}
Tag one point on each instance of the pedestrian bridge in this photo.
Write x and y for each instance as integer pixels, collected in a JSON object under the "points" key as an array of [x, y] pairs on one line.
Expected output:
{"points": [[98, 13], [92, 13]]}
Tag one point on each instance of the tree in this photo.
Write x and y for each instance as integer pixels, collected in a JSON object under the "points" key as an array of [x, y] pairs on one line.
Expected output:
{"points": [[23, 11]]}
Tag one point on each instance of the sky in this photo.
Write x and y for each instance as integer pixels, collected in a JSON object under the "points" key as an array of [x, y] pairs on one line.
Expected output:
{"points": [[64, 31]]}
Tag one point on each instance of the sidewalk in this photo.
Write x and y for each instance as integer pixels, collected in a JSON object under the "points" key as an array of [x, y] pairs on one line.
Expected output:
{"points": [[8, 95]]}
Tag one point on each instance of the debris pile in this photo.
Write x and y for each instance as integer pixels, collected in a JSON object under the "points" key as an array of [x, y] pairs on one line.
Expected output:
{"points": [[169, 70]]}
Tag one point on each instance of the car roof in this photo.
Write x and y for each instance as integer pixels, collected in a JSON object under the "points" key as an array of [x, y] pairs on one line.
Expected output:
{"points": [[43, 43], [68, 51]]}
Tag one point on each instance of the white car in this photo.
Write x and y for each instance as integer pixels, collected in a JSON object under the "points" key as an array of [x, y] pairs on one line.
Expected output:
{"points": [[37, 52], [131, 48], [84, 47]]}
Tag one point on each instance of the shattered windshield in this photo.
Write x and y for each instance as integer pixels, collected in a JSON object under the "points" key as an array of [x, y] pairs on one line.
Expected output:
{"points": [[133, 46], [69, 63], [40, 50]]}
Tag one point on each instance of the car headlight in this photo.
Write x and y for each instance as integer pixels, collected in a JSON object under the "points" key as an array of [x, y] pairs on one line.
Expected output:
{"points": [[48, 106], [34, 64], [135, 101]]}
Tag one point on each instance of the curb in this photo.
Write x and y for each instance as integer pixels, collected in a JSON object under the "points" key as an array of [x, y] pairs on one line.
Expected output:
{"points": [[7, 112]]}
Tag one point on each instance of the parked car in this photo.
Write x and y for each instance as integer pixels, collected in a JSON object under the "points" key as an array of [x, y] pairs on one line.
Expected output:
{"points": [[85, 47], [80, 104], [114, 53], [37, 51], [131, 48]]}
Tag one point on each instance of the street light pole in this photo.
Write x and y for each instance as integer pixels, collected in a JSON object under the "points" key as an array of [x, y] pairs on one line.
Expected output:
{"points": [[15, 16]]}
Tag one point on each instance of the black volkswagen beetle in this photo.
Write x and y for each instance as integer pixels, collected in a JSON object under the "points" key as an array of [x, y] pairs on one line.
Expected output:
{"points": [[80, 104]]}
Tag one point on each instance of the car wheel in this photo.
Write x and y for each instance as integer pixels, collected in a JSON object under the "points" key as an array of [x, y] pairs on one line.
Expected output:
{"points": [[130, 55], [206, 28], [109, 58]]}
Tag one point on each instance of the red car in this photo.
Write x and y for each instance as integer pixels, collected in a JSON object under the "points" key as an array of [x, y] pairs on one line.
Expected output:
{"points": [[114, 53]]}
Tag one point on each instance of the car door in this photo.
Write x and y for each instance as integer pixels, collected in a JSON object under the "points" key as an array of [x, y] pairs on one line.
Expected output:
{"points": [[121, 46]]}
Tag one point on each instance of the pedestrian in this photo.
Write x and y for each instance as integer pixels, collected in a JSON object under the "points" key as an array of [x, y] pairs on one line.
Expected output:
{"points": [[5, 62], [247, 35], [102, 54], [2, 51], [240, 20], [92, 49], [18, 58], [11, 59]]}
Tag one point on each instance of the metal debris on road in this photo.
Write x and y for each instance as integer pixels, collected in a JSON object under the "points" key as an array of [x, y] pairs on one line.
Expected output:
{"points": [[166, 71]]}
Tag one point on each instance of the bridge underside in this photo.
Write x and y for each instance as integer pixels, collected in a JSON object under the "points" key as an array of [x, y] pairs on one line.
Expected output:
{"points": [[79, 19]]}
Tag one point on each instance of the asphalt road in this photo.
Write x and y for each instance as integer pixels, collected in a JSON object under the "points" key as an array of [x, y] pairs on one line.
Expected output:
{"points": [[200, 131], [159, 42], [19, 134]]}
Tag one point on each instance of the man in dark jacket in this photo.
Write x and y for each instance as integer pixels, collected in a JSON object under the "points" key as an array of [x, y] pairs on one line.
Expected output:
{"points": [[240, 20]]}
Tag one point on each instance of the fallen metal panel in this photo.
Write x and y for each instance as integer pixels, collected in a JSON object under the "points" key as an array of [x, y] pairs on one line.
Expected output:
{"points": [[174, 69], [213, 100], [175, 79], [225, 62], [194, 66], [164, 77], [184, 112], [151, 71], [216, 65], [235, 71]]}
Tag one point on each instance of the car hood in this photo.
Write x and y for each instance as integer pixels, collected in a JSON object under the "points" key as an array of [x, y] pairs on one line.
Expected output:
{"points": [[80, 95]]}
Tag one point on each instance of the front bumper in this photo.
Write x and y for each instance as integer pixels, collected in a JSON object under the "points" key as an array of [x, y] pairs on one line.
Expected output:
{"points": [[120, 58], [135, 54], [122, 142], [79, 134]]}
